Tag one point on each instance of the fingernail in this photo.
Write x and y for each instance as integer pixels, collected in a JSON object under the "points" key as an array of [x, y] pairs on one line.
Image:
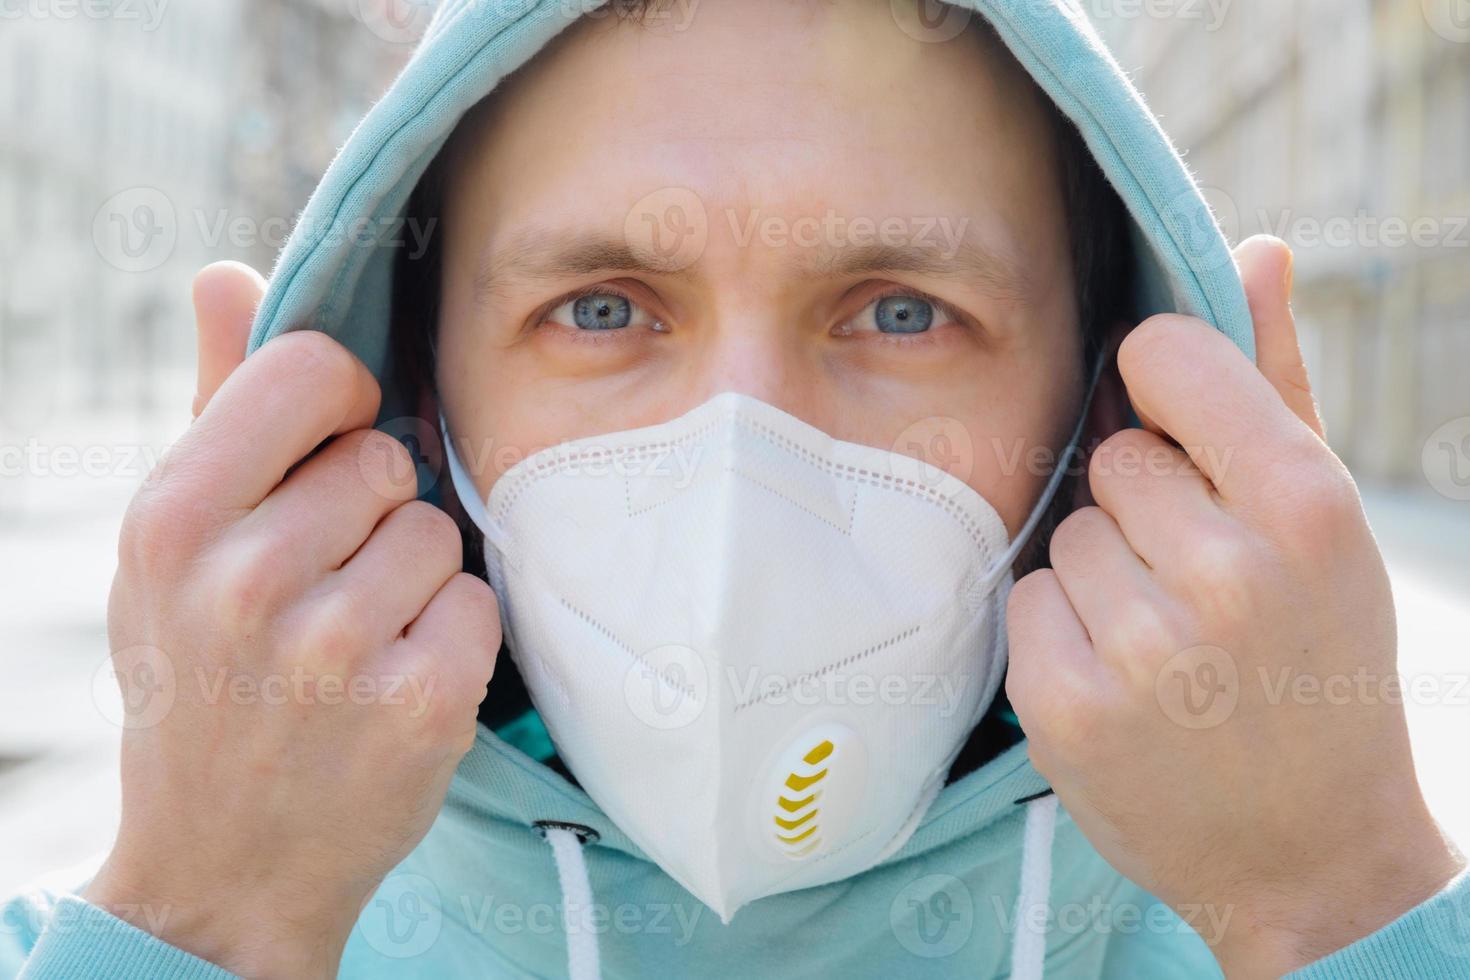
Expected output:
{"points": [[1290, 274]]}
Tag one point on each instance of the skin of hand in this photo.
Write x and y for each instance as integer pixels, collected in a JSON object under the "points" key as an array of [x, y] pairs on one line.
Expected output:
{"points": [[279, 543], [1147, 664]]}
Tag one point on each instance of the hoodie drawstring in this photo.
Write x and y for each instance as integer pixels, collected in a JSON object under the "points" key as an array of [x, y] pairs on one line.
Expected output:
{"points": [[576, 894], [1028, 945]]}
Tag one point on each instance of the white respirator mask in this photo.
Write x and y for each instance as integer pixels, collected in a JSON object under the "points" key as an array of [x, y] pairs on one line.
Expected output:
{"points": [[758, 648]]}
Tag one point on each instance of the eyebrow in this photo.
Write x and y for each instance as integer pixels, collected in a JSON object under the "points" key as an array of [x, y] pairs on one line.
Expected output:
{"points": [[970, 262], [547, 255], [550, 255]]}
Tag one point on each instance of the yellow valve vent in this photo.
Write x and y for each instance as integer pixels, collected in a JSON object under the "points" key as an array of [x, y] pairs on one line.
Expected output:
{"points": [[796, 815]]}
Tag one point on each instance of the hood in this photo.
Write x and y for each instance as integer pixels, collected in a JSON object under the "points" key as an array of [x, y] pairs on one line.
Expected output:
{"points": [[335, 275]]}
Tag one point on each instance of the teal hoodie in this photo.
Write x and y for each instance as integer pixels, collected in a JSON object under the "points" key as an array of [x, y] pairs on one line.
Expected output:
{"points": [[484, 893]]}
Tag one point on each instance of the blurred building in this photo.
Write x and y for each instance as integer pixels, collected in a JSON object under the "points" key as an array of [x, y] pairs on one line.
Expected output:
{"points": [[95, 106], [1343, 126], [308, 71], [140, 141], [133, 149]]}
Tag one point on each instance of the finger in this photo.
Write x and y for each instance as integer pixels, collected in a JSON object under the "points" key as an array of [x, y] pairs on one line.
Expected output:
{"points": [[1265, 265], [1151, 488], [1203, 393], [330, 504], [226, 295], [461, 624], [292, 394], [1050, 652], [1104, 580], [399, 569]]}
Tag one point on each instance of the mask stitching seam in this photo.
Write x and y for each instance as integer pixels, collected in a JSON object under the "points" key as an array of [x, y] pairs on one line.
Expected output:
{"points": [[550, 467], [595, 624], [853, 474], [639, 512], [835, 665], [845, 531]]}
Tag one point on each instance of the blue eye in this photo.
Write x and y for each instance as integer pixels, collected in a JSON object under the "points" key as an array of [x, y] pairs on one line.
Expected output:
{"points": [[898, 315], [601, 311], [903, 314]]}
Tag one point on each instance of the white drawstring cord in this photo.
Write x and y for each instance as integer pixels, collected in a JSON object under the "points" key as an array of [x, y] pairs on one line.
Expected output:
{"points": [[576, 896], [1028, 945]]}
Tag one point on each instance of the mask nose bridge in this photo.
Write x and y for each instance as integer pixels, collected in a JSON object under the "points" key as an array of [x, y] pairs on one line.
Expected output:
{"points": [[769, 462]]}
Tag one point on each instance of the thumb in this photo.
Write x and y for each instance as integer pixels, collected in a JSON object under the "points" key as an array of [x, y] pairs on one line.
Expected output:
{"points": [[1265, 264], [226, 295]]}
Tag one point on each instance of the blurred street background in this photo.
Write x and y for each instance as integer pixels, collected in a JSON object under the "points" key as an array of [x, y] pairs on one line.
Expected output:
{"points": [[1343, 127], [139, 141], [138, 146]]}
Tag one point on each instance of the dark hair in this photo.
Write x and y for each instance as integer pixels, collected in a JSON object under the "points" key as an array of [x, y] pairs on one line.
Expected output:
{"points": [[1101, 239], [1102, 277]]}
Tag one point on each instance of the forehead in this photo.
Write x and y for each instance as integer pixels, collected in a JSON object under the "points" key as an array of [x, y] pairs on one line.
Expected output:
{"points": [[783, 108]]}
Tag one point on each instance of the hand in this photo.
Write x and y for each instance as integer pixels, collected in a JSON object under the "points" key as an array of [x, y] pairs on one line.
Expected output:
{"points": [[1156, 667], [320, 652]]}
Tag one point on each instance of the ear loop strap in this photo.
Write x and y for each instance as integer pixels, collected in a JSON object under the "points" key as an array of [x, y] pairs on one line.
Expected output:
{"points": [[465, 489], [1053, 485]]}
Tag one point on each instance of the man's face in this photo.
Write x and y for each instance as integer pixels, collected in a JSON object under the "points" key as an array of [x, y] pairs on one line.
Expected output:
{"points": [[860, 228]]}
